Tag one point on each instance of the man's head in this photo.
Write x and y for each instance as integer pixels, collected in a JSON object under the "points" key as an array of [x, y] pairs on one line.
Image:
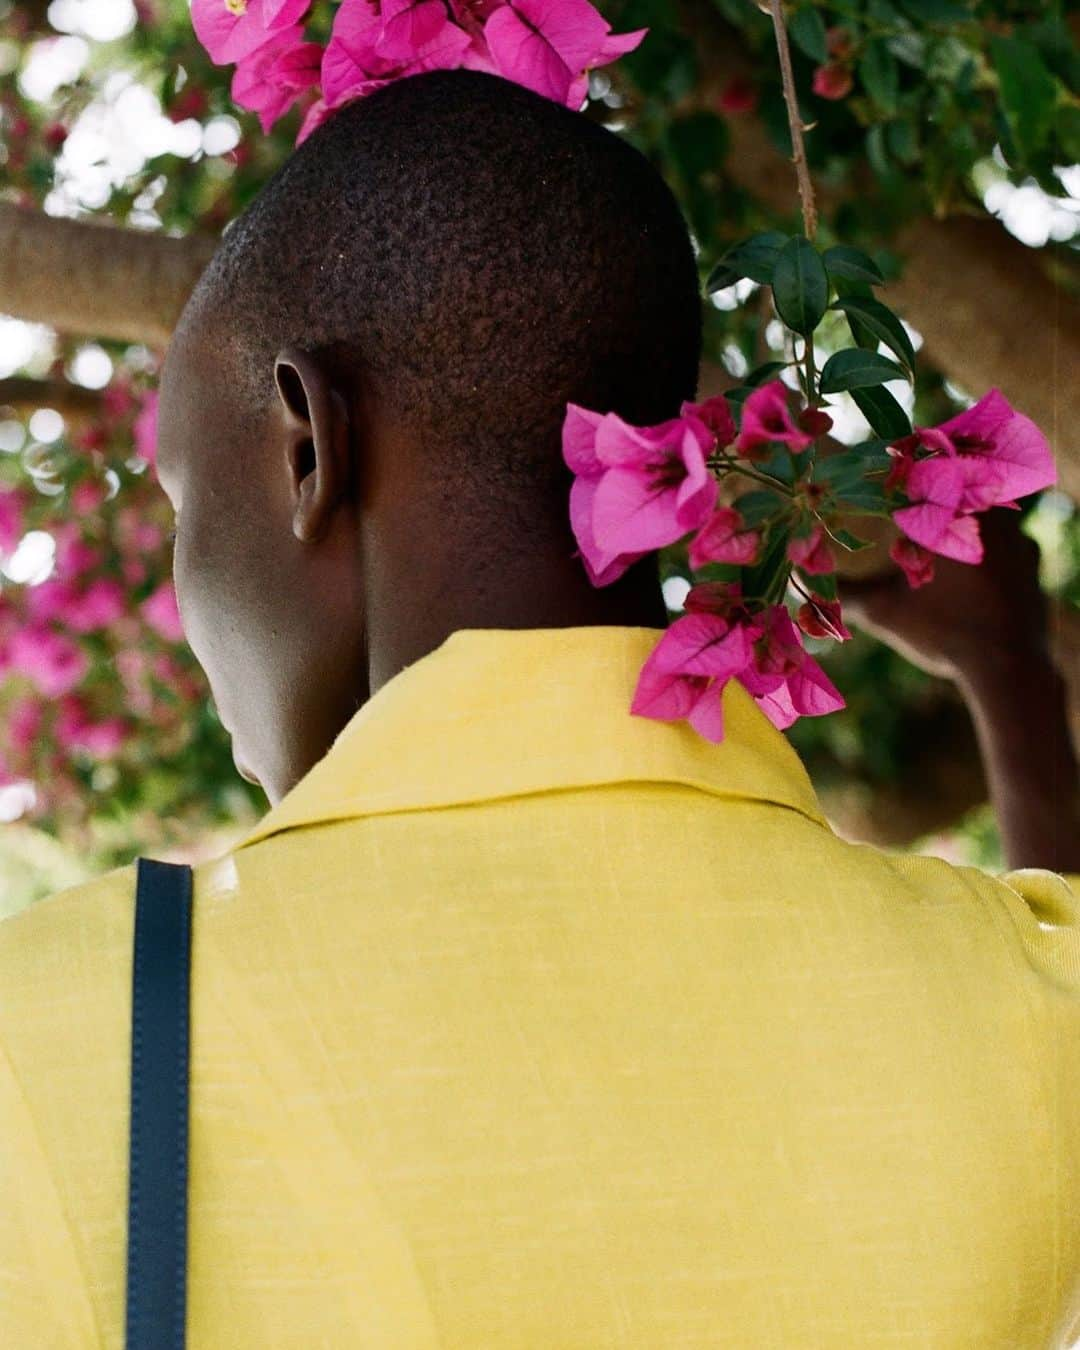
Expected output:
{"points": [[361, 408]]}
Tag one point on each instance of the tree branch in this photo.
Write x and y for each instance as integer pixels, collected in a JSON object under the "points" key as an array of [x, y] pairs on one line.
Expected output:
{"points": [[26, 395], [85, 276]]}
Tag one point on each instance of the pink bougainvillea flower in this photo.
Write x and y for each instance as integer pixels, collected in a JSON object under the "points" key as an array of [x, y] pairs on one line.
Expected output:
{"points": [[1012, 455], [353, 64], [686, 673], [23, 721], [117, 398], [162, 613], [936, 488], [637, 488], [724, 538], [73, 554], [822, 618], [813, 554], [50, 600], [53, 661], [832, 81], [232, 29], [765, 418], [99, 605], [12, 506], [75, 730], [87, 496], [408, 25], [656, 485], [716, 414], [549, 45], [916, 562], [578, 440], [317, 113], [785, 681], [269, 80], [144, 429]]}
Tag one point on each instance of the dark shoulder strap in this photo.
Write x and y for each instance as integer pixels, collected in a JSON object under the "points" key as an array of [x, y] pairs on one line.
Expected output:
{"points": [[158, 1143]]}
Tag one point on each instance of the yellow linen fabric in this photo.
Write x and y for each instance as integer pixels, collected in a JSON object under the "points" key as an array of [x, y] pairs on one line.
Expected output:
{"points": [[524, 1022]]}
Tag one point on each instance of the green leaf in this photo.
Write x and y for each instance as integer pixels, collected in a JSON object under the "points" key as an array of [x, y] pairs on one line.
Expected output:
{"points": [[856, 368], [883, 412], [852, 264], [845, 470], [880, 74], [822, 584], [807, 30], [760, 374], [882, 323], [755, 507], [864, 498], [761, 581], [754, 258], [902, 138], [736, 397], [800, 285], [1028, 90], [779, 465], [876, 152], [847, 540]]}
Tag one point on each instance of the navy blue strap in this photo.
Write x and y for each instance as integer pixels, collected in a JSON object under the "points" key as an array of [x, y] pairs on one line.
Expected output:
{"points": [[158, 1146]]}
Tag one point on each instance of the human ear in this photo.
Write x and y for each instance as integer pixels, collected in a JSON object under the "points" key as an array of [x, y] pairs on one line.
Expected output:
{"points": [[317, 440]]}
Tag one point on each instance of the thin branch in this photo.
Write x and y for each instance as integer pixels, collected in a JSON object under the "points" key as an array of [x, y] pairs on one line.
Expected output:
{"points": [[25, 395], [802, 171]]}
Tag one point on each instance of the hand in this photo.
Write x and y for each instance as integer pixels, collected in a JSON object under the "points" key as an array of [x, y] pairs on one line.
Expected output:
{"points": [[969, 617]]}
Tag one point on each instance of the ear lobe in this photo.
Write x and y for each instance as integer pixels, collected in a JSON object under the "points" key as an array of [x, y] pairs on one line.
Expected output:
{"points": [[317, 441]]}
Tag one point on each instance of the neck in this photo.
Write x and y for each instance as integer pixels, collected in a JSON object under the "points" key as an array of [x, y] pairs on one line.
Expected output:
{"points": [[558, 595]]}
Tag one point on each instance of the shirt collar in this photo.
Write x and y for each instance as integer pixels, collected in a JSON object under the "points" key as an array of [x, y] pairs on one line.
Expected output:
{"points": [[497, 712]]}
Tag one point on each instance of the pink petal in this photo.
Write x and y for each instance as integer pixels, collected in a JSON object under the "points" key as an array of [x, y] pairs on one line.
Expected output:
{"points": [[579, 439], [622, 445], [525, 56], [707, 714], [1023, 456], [631, 512], [663, 695], [777, 706], [940, 530], [813, 694], [408, 25], [703, 644], [602, 566], [983, 421]]}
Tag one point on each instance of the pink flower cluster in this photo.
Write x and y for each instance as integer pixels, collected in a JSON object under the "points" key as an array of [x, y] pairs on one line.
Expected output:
{"points": [[986, 456], [546, 45], [718, 639], [637, 489]]}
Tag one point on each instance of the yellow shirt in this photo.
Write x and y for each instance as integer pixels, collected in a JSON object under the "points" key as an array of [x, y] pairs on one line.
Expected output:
{"points": [[524, 1022]]}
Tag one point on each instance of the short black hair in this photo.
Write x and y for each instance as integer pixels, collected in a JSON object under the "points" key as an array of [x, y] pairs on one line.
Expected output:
{"points": [[487, 255]]}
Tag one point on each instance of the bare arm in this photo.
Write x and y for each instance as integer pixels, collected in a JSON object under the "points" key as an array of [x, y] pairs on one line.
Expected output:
{"points": [[985, 628]]}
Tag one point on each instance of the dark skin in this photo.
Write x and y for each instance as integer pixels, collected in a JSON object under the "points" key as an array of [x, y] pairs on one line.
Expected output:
{"points": [[313, 562], [985, 628], [304, 587]]}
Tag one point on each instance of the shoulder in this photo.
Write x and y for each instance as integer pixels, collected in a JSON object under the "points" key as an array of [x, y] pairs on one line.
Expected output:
{"points": [[57, 951]]}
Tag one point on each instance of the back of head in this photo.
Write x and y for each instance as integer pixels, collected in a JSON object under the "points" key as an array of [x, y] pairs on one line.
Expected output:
{"points": [[479, 255]]}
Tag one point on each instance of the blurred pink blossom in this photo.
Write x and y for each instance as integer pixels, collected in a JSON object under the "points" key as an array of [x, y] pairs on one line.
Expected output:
{"points": [[161, 612], [52, 660]]}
